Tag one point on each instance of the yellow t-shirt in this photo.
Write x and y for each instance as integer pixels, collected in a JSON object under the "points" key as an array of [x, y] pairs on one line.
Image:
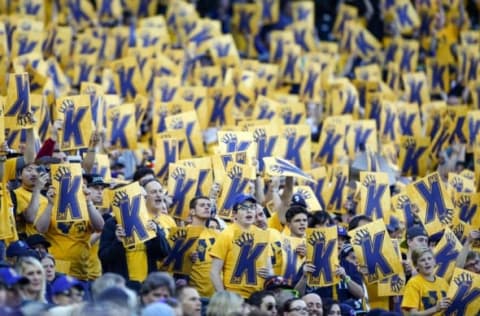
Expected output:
{"points": [[421, 294], [201, 268], [137, 262], [376, 301], [21, 199], [94, 265], [242, 255], [70, 246], [166, 222]]}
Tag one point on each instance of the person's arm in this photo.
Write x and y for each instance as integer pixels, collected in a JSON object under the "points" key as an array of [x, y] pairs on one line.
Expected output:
{"points": [[32, 209], [353, 286], [215, 272], [462, 255], [96, 219], [89, 160], [285, 199], [441, 306], [42, 224], [301, 285]]}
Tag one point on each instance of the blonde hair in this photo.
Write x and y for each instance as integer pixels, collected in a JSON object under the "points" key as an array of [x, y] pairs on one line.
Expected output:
{"points": [[224, 303], [417, 253], [21, 265]]}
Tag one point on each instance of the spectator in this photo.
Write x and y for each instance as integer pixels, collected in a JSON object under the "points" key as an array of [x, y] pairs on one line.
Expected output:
{"points": [[17, 250], [27, 200], [115, 258], [38, 243], [190, 300], [332, 308], [48, 264], [225, 303], [224, 259], [11, 284], [106, 281], [158, 285], [32, 269], [314, 304], [295, 307], [63, 290], [425, 292], [264, 301]]}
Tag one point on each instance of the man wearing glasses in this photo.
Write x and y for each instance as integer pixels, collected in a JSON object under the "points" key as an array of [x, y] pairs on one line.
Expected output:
{"points": [[241, 253]]}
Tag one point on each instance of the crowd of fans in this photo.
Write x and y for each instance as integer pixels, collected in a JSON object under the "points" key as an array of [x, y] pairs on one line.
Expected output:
{"points": [[84, 268]]}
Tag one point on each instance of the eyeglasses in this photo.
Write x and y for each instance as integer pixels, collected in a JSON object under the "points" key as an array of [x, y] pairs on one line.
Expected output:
{"points": [[472, 263], [298, 309], [247, 207], [271, 306]]}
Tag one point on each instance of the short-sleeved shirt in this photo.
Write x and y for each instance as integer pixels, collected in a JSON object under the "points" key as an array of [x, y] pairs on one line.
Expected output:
{"points": [[421, 294], [239, 274]]}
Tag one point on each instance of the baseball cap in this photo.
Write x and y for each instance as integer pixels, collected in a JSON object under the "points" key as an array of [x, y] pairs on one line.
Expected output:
{"points": [[276, 282], [342, 232], [297, 199], [241, 198], [416, 231], [95, 179], [18, 248], [393, 225], [345, 250], [37, 239], [10, 277], [64, 283]]}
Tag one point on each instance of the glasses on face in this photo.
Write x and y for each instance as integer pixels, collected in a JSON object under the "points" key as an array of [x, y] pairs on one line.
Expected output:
{"points": [[298, 309], [472, 263], [271, 306], [247, 207]]}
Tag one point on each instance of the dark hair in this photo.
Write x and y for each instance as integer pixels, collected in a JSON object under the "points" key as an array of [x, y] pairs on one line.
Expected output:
{"points": [[144, 183], [356, 220], [320, 218], [257, 297], [288, 304], [158, 279], [295, 210], [212, 219], [328, 304], [193, 202], [141, 172]]}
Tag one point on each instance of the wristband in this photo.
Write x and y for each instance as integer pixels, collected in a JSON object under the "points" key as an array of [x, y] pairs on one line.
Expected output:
{"points": [[347, 279]]}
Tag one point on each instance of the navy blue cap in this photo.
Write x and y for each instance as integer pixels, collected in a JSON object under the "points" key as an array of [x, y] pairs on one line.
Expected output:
{"points": [[345, 250], [297, 199], [18, 248], [416, 231], [37, 239], [394, 224], [10, 277], [94, 180], [64, 283], [342, 231], [242, 198]]}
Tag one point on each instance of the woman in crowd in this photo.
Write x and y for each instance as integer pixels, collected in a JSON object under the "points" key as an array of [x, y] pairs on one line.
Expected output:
{"points": [[425, 293], [32, 269], [48, 263], [332, 308]]}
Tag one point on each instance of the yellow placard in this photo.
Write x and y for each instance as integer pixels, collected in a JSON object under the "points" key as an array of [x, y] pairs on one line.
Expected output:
{"points": [[322, 252], [77, 122], [182, 187], [128, 206], [120, 124], [374, 195], [446, 253], [464, 293], [375, 251], [69, 201]]}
